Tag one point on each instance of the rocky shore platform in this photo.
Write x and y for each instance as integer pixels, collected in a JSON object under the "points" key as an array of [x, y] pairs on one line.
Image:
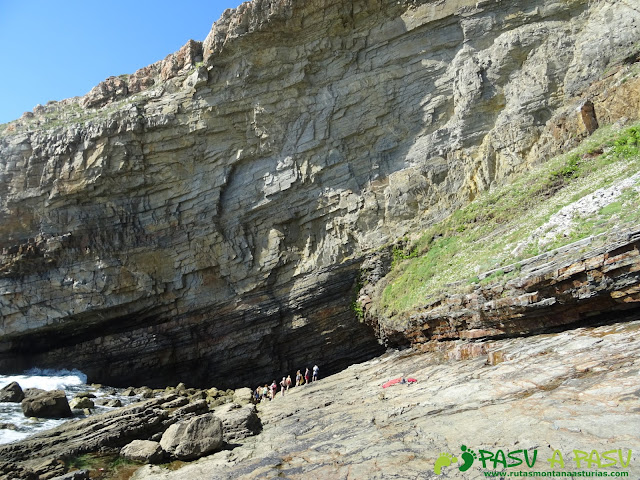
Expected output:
{"points": [[577, 390], [569, 399]]}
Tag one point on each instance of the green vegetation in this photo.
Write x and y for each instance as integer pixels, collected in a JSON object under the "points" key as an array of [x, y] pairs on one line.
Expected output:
{"points": [[355, 305], [103, 467], [496, 230]]}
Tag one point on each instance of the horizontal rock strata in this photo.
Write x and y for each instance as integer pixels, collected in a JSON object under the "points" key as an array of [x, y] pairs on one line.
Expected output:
{"points": [[205, 218], [561, 289]]}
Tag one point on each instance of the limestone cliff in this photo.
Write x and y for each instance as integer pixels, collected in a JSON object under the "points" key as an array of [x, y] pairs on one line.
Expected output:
{"points": [[205, 217]]}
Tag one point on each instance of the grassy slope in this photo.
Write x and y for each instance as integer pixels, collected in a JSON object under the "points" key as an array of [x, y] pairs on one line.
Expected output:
{"points": [[496, 228]]}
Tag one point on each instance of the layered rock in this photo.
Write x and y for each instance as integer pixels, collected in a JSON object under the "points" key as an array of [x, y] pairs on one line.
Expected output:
{"points": [[575, 390], [167, 427], [568, 287], [208, 221]]}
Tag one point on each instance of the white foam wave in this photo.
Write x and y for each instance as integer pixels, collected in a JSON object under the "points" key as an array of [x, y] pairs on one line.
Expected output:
{"points": [[46, 379]]}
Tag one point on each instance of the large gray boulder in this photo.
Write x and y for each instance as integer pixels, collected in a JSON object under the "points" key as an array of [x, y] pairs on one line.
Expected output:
{"points": [[145, 451], [11, 393], [238, 421], [51, 404], [193, 438]]}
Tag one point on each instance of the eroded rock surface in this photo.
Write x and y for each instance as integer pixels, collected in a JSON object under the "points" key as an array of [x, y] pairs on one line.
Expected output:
{"points": [[207, 220], [575, 390]]}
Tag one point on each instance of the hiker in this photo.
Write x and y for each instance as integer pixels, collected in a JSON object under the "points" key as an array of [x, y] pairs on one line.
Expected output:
{"points": [[307, 374], [265, 392], [283, 385], [257, 395], [288, 382], [316, 369], [274, 388], [298, 378]]}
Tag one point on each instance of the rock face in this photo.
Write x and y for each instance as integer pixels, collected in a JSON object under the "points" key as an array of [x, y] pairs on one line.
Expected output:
{"points": [[49, 404], [209, 219]]}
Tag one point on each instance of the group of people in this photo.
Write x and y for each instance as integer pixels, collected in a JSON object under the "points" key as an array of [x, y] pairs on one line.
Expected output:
{"points": [[269, 392]]}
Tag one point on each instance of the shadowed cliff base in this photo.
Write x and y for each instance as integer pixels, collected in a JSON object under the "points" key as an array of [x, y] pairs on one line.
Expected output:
{"points": [[204, 348]]}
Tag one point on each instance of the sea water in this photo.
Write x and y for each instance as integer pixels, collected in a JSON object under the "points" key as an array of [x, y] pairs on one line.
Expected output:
{"points": [[14, 425]]}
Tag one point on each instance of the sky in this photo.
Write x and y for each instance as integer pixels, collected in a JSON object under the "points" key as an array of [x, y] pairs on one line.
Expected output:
{"points": [[56, 49]]}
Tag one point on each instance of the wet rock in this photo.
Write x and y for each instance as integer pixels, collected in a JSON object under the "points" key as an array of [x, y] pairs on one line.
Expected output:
{"points": [[50, 404], [84, 395], [81, 403], [31, 392], [193, 438], [144, 451], [110, 430], [11, 393]]}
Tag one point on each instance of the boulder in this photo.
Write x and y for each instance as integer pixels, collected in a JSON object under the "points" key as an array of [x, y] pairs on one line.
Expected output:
{"points": [[243, 396], [84, 395], [144, 451], [193, 438], [238, 421], [213, 392], [51, 404], [11, 393], [144, 392], [81, 403]]}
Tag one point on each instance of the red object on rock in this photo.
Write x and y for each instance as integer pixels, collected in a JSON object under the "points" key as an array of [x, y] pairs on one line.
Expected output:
{"points": [[391, 382]]}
